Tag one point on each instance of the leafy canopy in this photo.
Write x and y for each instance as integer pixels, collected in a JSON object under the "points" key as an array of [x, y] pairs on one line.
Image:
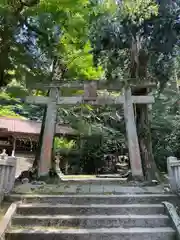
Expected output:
{"points": [[33, 32], [155, 26]]}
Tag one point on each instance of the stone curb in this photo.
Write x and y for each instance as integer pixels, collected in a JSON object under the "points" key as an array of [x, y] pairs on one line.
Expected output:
{"points": [[6, 220], [175, 219]]}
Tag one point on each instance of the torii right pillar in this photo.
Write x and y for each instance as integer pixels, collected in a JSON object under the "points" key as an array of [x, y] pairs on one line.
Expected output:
{"points": [[133, 144], [143, 127]]}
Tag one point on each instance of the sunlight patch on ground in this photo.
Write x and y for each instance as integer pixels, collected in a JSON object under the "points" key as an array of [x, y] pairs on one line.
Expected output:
{"points": [[43, 228], [79, 176]]}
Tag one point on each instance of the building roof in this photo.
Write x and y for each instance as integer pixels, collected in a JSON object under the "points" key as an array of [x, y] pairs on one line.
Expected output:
{"points": [[28, 127]]}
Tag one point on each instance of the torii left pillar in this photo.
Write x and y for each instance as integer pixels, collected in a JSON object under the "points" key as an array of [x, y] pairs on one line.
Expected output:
{"points": [[44, 163]]}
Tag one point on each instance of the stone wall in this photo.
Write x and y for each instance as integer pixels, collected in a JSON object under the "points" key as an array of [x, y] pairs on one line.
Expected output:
{"points": [[7, 174], [173, 166]]}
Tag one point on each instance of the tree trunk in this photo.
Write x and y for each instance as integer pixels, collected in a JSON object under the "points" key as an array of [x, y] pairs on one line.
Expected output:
{"points": [[150, 169], [5, 44], [143, 128]]}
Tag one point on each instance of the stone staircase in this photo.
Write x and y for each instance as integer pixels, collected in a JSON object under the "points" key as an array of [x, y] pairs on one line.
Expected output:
{"points": [[92, 217]]}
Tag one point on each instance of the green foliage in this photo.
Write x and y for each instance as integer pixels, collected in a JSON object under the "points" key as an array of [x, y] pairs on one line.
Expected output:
{"points": [[63, 145], [8, 112], [155, 26], [34, 32], [101, 131], [16, 90], [166, 127], [92, 154], [80, 61], [12, 104], [139, 10]]}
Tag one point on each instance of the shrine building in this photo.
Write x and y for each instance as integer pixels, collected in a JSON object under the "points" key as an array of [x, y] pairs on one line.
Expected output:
{"points": [[20, 136]]}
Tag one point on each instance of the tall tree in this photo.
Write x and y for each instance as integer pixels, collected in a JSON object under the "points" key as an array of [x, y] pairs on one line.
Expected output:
{"points": [[28, 33], [137, 43], [69, 50]]}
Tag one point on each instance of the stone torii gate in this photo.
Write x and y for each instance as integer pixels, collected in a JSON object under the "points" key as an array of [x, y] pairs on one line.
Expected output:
{"points": [[91, 97], [49, 129]]}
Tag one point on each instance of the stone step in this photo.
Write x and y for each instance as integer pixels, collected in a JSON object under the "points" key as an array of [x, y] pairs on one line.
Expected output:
{"points": [[92, 234], [70, 209], [82, 188], [96, 199], [93, 221]]}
